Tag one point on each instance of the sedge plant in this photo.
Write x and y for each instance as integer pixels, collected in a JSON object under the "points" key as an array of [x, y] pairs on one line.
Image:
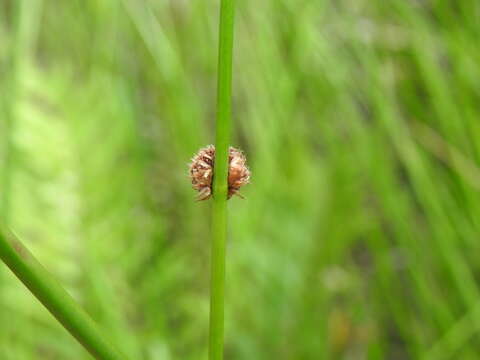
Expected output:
{"points": [[220, 183]]}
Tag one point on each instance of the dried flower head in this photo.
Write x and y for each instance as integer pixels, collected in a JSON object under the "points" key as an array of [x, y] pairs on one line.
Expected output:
{"points": [[201, 172]]}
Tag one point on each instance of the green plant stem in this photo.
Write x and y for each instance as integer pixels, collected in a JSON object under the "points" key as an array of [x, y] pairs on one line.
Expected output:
{"points": [[54, 297], [220, 185]]}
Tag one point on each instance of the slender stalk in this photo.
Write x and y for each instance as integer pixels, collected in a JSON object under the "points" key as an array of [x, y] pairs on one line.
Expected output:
{"points": [[220, 186], [54, 297]]}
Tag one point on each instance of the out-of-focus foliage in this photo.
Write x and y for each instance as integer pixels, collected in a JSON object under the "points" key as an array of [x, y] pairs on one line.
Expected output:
{"points": [[359, 238]]}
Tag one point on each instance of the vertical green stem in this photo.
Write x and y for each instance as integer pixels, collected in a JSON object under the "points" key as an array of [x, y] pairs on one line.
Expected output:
{"points": [[54, 297], [220, 186]]}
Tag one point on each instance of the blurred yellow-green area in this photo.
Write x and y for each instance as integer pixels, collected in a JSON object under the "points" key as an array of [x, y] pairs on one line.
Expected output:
{"points": [[359, 235]]}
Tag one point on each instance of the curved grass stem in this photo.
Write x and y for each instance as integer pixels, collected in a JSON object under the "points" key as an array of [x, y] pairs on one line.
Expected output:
{"points": [[27, 269]]}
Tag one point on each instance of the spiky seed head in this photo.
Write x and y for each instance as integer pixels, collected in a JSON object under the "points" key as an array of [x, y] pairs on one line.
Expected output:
{"points": [[201, 172], [202, 169], [238, 172]]}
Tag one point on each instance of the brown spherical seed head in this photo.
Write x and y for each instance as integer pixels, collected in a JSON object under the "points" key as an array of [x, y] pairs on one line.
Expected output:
{"points": [[202, 167]]}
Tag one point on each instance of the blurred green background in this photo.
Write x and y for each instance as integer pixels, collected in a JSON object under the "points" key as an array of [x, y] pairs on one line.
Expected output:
{"points": [[359, 237]]}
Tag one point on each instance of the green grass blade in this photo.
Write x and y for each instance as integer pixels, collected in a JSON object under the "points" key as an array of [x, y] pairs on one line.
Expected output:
{"points": [[54, 297], [220, 187]]}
